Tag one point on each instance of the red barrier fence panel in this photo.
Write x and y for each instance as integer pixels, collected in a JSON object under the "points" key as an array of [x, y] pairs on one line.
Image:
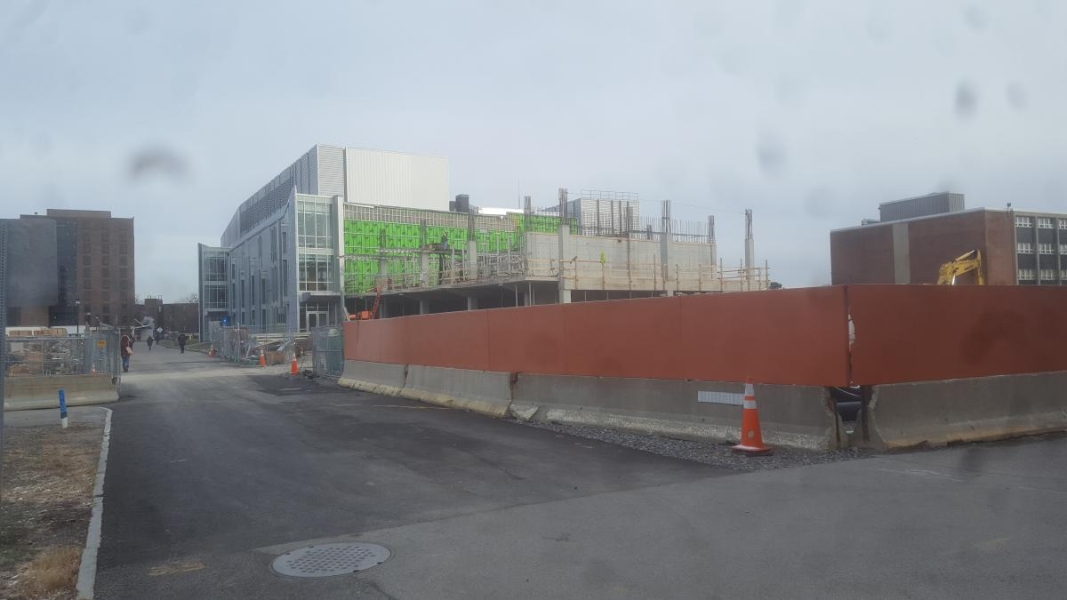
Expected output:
{"points": [[927, 333], [782, 336], [531, 339], [458, 340], [788, 337]]}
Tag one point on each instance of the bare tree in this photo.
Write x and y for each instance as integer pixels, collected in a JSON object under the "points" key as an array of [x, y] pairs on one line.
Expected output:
{"points": [[189, 299]]}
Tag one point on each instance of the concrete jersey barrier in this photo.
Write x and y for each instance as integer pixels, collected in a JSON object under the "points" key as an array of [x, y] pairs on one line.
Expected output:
{"points": [[29, 393], [794, 416], [485, 392], [905, 415], [376, 378]]}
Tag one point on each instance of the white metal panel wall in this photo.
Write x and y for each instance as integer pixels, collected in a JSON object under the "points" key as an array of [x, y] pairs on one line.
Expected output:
{"points": [[331, 165], [396, 179]]}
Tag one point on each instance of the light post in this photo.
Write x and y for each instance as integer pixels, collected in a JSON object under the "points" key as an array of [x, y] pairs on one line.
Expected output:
{"points": [[77, 316]]}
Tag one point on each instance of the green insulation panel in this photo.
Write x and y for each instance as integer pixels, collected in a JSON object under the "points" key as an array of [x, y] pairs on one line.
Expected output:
{"points": [[368, 242]]}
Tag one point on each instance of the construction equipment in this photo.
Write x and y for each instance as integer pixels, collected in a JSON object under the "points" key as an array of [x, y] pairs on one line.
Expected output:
{"points": [[971, 261], [366, 315]]}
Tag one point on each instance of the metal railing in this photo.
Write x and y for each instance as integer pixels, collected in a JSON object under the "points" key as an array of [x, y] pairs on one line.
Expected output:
{"points": [[581, 274], [328, 351], [245, 345], [96, 352]]}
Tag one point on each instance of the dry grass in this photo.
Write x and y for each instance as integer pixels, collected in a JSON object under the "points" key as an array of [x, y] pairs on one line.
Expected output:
{"points": [[52, 574], [47, 497]]}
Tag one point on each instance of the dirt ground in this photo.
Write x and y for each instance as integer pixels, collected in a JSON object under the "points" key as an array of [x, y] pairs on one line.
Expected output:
{"points": [[46, 500]]}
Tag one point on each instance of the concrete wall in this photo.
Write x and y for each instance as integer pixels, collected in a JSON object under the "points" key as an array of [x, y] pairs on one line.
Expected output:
{"points": [[966, 410], [26, 393]]}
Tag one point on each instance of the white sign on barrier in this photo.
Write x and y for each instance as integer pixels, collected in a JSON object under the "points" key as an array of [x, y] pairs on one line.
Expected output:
{"points": [[721, 398]]}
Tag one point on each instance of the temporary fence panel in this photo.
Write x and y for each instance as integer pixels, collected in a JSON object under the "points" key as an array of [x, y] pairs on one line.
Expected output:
{"points": [[927, 333], [797, 337], [97, 352], [327, 351]]}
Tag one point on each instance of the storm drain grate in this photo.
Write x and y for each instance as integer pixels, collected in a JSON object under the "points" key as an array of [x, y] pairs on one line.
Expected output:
{"points": [[325, 560]]}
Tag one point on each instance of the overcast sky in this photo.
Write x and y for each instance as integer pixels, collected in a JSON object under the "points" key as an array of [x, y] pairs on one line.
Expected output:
{"points": [[810, 113]]}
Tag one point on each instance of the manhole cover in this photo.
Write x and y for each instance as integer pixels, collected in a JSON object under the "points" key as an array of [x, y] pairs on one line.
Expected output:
{"points": [[324, 560]]}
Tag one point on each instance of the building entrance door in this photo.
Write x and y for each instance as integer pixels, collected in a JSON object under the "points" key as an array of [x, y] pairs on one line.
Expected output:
{"points": [[317, 318]]}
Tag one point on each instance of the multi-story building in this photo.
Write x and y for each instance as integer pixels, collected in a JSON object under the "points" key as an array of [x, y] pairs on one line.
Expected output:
{"points": [[94, 257], [278, 266], [916, 236], [342, 229]]}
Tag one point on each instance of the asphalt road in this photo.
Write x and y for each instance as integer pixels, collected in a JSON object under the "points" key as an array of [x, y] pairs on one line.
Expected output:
{"points": [[216, 469]]}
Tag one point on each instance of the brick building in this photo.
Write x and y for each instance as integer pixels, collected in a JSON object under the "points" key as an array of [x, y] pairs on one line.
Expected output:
{"points": [[917, 235], [95, 270]]}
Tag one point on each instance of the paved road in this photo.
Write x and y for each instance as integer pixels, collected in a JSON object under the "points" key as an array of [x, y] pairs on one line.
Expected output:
{"points": [[216, 469]]}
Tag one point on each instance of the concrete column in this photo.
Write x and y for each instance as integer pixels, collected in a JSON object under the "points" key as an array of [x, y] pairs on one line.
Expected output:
{"points": [[424, 307], [750, 247], [564, 233], [424, 269], [472, 303], [472, 260], [712, 243], [665, 249], [564, 296]]}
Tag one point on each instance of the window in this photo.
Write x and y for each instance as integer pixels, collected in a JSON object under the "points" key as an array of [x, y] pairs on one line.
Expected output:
{"points": [[86, 260], [107, 309], [1044, 223], [264, 312], [1026, 274], [285, 241], [316, 272], [124, 261], [106, 261], [263, 292], [233, 271], [1022, 222], [1063, 223], [1063, 249], [1048, 275], [273, 245], [313, 224], [1045, 248], [1026, 248]]}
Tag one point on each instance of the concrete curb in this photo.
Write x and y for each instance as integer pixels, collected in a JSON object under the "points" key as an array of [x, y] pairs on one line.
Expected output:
{"points": [[87, 571]]}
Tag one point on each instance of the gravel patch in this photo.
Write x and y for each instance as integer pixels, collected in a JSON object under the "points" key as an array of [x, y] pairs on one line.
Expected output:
{"points": [[708, 453]]}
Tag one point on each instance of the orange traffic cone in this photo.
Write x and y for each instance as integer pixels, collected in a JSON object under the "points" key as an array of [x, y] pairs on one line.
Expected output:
{"points": [[751, 437], [293, 369], [262, 359]]}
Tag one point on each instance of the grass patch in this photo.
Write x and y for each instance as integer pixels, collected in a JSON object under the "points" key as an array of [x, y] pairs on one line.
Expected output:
{"points": [[53, 574]]}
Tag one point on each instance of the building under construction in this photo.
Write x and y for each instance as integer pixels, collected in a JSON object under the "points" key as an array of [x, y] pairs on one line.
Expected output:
{"points": [[409, 261], [345, 231]]}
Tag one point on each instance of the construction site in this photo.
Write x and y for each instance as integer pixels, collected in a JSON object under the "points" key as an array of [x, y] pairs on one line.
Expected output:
{"points": [[409, 261]]}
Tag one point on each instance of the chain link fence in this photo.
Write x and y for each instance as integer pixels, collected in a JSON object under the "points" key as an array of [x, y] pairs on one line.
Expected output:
{"points": [[96, 352], [245, 346], [327, 351]]}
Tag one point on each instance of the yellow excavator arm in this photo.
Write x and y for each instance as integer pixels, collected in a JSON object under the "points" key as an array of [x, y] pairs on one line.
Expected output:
{"points": [[972, 261]]}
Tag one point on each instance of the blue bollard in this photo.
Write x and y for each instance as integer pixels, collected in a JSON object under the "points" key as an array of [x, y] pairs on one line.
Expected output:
{"points": [[63, 409]]}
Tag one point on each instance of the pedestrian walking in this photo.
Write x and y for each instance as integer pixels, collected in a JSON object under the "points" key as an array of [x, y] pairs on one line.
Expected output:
{"points": [[150, 341], [182, 338], [126, 349]]}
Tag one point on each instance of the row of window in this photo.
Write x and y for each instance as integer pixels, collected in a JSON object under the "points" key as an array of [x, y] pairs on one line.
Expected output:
{"points": [[1042, 222], [1042, 248], [1045, 274]]}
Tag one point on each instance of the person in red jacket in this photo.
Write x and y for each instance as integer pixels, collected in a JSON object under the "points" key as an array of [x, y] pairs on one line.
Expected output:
{"points": [[126, 349]]}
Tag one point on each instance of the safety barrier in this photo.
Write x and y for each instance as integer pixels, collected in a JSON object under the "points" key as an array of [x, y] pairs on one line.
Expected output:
{"points": [[907, 415], [27, 393], [940, 363], [790, 415]]}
